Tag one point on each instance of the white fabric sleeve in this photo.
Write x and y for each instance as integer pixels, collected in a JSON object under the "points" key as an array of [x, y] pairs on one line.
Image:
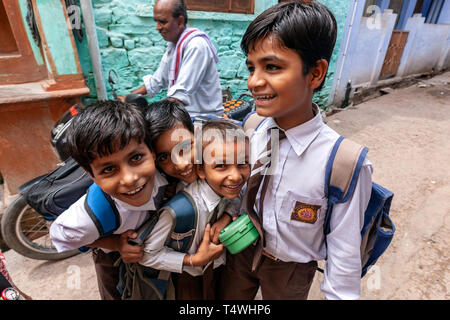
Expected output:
{"points": [[74, 228], [197, 57], [156, 254], [160, 79], [342, 272]]}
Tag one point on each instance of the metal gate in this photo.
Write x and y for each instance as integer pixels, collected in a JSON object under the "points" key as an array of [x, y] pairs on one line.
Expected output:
{"points": [[394, 54]]}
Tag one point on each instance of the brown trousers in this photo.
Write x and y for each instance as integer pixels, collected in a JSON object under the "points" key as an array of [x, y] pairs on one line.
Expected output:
{"points": [[204, 287], [278, 280], [107, 273]]}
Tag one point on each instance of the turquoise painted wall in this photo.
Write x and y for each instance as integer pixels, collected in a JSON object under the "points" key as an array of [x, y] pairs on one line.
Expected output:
{"points": [[57, 35], [36, 51], [130, 44], [340, 10]]}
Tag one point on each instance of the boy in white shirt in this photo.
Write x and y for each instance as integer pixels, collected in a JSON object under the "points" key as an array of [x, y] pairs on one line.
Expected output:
{"points": [[223, 172], [288, 49], [110, 141]]}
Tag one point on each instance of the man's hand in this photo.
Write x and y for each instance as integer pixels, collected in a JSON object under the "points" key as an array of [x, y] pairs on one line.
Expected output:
{"points": [[176, 100], [130, 253], [121, 98]]}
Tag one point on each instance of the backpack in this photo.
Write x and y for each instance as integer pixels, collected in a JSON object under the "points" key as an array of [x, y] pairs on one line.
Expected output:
{"points": [[52, 194], [341, 175], [138, 282]]}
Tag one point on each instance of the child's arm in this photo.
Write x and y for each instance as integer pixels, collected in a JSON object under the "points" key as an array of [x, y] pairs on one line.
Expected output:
{"points": [[206, 252], [74, 229], [129, 253], [157, 255], [220, 224], [342, 272]]}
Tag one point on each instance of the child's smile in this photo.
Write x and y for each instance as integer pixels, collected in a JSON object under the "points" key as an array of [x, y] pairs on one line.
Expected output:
{"points": [[277, 83], [175, 155], [127, 174], [226, 179]]}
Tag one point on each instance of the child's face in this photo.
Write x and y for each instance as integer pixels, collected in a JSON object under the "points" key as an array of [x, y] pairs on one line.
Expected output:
{"points": [[276, 80], [226, 178], [128, 174], [175, 153]]}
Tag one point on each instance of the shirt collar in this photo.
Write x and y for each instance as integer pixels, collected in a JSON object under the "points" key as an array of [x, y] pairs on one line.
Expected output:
{"points": [[209, 196], [301, 136], [158, 181]]}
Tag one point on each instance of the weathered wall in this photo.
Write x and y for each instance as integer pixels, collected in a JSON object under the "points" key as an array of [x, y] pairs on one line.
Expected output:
{"points": [[371, 48], [130, 44], [340, 10], [427, 46]]}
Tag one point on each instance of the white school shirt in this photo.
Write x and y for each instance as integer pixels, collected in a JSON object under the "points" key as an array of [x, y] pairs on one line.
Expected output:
{"points": [[299, 178], [197, 85], [74, 228], [161, 257]]}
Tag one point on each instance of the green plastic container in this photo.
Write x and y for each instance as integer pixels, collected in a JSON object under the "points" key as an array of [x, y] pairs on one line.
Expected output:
{"points": [[239, 234]]}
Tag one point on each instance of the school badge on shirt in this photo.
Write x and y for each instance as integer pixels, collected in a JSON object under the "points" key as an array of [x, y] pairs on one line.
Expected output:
{"points": [[305, 212]]}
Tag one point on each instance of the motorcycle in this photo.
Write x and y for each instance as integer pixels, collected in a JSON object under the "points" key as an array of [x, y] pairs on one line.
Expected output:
{"points": [[25, 227]]}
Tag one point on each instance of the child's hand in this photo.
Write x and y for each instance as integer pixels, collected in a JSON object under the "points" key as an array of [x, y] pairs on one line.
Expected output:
{"points": [[207, 251], [130, 253], [220, 224]]}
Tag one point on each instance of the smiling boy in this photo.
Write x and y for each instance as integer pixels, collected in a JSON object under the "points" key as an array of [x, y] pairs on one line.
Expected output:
{"points": [[224, 171], [110, 141], [288, 49]]}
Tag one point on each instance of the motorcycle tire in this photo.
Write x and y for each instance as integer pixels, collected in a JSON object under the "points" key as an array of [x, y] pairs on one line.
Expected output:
{"points": [[27, 232]]}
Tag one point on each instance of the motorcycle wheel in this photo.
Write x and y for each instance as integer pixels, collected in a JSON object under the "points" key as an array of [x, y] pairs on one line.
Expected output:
{"points": [[27, 232]]}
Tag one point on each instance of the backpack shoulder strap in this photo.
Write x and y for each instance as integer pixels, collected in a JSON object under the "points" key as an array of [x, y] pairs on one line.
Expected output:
{"points": [[185, 214], [252, 121], [102, 210], [341, 173]]}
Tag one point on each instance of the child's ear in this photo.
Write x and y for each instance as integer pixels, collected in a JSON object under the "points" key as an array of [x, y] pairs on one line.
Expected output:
{"points": [[318, 73], [200, 171]]}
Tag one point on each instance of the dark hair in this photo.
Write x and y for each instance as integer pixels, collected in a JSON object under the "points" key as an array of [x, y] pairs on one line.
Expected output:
{"points": [[165, 115], [309, 28], [221, 126], [179, 9], [216, 128], [102, 129]]}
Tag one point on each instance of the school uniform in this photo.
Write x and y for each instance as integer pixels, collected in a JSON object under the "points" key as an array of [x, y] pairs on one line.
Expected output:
{"points": [[294, 208], [190, 282], [74, 228]]}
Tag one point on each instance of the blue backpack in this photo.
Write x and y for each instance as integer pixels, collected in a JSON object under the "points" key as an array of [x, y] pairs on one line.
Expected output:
{"points": [[137, 281], [341, 175]]}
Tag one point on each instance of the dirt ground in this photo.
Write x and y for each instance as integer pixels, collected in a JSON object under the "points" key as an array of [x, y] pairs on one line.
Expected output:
{"points": [[408, 134]]}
